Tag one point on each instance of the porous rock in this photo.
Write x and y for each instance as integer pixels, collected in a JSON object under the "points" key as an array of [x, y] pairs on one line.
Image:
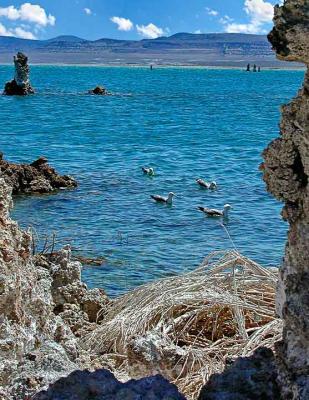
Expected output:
{"points": [[39, 328], [20, 85], [37, 177], [286, 171]]}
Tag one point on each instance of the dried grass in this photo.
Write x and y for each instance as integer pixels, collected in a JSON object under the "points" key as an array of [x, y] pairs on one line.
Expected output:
{"points": [[195, 321]]}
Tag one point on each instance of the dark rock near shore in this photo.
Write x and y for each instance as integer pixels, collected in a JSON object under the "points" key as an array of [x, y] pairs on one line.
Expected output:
{"points": [[248, 378], [38, 177], [20, 85], [98, 90], [101, 384]]}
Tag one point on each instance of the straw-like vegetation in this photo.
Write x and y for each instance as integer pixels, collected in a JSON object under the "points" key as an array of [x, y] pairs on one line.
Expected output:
{"points": [[187, 326]]}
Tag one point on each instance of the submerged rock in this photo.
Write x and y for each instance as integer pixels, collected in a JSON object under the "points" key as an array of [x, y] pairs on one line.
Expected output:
{"points": [[38, 177], [20, 85], [99, 90]]}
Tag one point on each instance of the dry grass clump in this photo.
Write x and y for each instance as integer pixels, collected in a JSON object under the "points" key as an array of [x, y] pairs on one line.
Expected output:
{"points": [[187, 326]]}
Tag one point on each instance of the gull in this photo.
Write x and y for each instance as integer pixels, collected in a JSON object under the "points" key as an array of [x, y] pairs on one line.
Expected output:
{"points": [[212, 185], [148, 171], [212, 212], [160, 199]]}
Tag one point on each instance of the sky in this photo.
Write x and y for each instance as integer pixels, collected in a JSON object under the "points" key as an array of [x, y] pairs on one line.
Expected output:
{"points": [[132, 19]]}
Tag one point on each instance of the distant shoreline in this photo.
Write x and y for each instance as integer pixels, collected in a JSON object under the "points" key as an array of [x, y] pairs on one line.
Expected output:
{"points": [[209, 67]]}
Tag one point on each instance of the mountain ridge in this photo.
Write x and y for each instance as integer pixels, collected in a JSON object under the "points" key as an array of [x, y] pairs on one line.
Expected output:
{"points": [[213, 49]]}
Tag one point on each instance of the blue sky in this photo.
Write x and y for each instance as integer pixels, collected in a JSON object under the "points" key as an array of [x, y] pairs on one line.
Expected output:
{"points": [[132, 19]]}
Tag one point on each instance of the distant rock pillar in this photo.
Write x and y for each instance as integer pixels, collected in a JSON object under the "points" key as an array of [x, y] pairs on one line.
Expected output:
{"points": [[286, 172], [20, 85]]}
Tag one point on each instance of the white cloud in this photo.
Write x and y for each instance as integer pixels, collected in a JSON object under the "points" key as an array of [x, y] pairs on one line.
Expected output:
{"points": [[22, 33], [18, 32], [28, 12], [211, 12], [87, 11], [225, 19], [260, 12], [124, 24], [150, 31], [198, 32]]}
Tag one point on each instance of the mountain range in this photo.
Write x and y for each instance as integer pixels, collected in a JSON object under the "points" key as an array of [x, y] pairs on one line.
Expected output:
{"points": [[212, 49]]}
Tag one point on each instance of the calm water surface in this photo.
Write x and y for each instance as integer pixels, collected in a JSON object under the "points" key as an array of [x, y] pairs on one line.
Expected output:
{"points": [[186, 123]]}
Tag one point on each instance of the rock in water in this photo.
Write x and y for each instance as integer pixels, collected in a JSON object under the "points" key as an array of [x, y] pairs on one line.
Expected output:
{"points": [[37, 177], [99, 90], [20, 85]]}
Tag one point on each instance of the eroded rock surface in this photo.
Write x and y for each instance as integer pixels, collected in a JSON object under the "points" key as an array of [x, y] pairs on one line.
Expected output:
{"points": [[286, 171], [38, 177], [44, 309], [20, 85]]}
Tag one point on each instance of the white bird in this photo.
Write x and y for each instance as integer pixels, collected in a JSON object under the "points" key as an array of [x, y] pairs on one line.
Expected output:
{"points": [[148, 171], [212, 185], [212, 212], [160, 199]]}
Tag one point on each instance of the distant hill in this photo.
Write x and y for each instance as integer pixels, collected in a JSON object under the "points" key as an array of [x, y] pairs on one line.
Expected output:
{"points": [[213, 49]]}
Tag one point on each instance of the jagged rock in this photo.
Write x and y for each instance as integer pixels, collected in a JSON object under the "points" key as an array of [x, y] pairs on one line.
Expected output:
{"points": [[38, 177], [101, 384], [20, 85], [248, 378], [39, 339], [286, 171], [99, 90]]}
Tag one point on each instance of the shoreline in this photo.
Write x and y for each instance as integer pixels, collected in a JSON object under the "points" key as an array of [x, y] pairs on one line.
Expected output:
{"points": [[207, 67]]}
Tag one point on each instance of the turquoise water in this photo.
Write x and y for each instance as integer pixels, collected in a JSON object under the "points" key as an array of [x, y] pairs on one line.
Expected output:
{"points": [[186, 123]]}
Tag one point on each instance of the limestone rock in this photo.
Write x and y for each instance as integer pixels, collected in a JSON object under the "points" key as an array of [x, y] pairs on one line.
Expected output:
{"points": [[20, 85], [286, 171], [39, 338], [38, 177]]}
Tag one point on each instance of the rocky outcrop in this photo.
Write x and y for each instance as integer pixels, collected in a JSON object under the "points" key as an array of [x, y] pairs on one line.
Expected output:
{"points": [[286, 171], [248, 378], [44, 309], [102, 384], [37, 177], [98, 90], [20, 85]]}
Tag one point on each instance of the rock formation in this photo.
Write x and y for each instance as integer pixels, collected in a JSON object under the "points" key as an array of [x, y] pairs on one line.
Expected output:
{"points": [[20, 85], [102, 384], [44, 309], [99, 90], [248, 378], [286, 171], [45, 312], [37, 177]]}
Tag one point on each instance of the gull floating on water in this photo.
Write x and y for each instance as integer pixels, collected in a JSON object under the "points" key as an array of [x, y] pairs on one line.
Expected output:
{"points": [[148, 171], [212, 212], [160, 199], [212, 185]]}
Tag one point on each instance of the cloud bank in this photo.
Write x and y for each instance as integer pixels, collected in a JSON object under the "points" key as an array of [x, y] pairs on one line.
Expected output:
{"points": [[29, 13]]}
